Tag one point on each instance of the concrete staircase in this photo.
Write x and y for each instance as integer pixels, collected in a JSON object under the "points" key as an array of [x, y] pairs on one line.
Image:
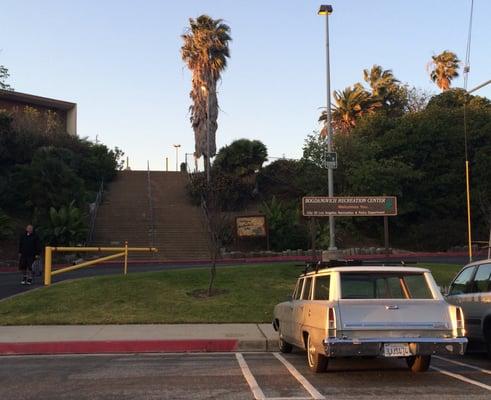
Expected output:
{"points": [[152, 210]]}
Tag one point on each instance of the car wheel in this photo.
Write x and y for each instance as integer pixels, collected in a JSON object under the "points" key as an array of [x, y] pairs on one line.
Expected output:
{"points": [[418, 363], [285, 347], [487, 337], [317, 362]]}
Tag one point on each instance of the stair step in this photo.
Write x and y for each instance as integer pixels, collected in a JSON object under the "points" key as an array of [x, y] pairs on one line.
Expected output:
{"points": [[178, 228]]}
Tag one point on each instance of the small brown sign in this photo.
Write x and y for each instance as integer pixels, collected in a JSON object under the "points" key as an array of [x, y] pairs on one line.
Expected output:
{"points": [[368, 206], [251, 226]]}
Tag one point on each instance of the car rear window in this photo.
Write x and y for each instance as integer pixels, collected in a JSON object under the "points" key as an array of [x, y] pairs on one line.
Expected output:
{"points": [[321, 287], [376, 285]]}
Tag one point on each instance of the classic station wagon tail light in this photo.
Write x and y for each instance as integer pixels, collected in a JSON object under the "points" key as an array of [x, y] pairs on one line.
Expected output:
{"points": [[460, 322], [331, 323]]}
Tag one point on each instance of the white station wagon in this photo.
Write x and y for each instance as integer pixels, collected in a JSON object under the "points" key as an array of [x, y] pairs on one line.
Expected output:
{"points": [[348, 309]]}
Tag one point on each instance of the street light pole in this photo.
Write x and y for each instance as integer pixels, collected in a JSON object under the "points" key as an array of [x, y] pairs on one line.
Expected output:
{"points": [[177, 156], [467, 179], [326, 10]]}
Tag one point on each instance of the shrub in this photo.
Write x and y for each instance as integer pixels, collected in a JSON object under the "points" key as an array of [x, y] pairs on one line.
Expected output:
{"points": [[6, 229]]}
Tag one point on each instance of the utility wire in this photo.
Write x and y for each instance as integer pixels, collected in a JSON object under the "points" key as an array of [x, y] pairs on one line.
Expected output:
{"points": [[466, 77]]}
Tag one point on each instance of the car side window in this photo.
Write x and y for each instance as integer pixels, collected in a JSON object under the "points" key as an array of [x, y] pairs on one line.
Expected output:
{"points": [[461, 284], [298, 290], [306, 289], [482, 280], [321, 287]]}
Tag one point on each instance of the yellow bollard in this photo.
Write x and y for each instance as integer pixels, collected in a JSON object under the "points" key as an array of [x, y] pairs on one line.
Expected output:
{"points": [[126, 258], [47, 265]]}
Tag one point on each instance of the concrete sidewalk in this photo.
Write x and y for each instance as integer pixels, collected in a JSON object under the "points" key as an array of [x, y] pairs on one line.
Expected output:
{"points": [[92, 339]]}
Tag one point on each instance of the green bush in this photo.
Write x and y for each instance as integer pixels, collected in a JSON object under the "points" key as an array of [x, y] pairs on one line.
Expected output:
{"points": [[6, 229], [284, 222], [65, 226], [42, 167]]}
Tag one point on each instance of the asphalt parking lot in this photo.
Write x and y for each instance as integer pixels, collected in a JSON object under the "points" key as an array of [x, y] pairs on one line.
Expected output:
{"points": [[238, 376]]}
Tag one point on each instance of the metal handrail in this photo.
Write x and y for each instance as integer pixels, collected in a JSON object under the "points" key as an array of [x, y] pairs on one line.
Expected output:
{"points": [[203, 206], [93, 212]]}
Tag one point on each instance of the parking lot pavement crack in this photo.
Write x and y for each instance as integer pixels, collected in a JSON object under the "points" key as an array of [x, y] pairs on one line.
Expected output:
{"points": [[264, 336]]}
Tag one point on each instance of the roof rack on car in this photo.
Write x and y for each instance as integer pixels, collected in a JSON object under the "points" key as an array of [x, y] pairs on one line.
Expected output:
{"points": [[316, 266]]}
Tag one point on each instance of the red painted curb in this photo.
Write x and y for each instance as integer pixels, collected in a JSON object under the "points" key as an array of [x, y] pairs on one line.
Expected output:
{"points": [[119, 346]]}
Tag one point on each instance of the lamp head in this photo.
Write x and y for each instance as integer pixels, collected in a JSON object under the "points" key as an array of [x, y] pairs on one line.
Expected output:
{"points": [[325, 9]]}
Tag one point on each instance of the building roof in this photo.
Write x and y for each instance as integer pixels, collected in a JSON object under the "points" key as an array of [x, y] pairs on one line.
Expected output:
{"points": [[35, 100]]}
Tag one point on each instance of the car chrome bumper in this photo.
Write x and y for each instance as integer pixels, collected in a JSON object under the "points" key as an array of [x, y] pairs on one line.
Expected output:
{"points": [[335, 347]]}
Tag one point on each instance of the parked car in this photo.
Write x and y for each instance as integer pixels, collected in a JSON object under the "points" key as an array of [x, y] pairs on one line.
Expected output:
{"points": [[471, 290], [357, 310]]}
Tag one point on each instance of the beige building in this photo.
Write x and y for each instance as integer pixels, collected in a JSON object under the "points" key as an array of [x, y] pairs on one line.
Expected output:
{"points": [[16, 103]]}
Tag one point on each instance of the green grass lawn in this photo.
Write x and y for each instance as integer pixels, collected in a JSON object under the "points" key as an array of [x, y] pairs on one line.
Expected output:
{"points": [[163, 297]]}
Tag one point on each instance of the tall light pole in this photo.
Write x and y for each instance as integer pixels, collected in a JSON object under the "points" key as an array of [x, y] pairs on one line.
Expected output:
{"points": [[326, 10], [467, 179], [177, 156]]}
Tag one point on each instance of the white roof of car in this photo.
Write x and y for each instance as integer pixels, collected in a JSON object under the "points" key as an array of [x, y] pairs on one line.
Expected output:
{"points": [[488, 261], [371, 268]]}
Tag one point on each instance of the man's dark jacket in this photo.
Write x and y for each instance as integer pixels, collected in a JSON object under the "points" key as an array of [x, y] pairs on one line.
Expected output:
{"points": [[29, 245]]}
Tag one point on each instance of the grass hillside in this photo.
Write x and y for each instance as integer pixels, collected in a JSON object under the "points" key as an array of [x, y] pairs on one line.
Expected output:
{"points": [[248, 294]]}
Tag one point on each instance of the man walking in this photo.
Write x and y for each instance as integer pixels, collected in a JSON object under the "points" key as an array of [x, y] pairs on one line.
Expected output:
{"points": [[29, 250]]}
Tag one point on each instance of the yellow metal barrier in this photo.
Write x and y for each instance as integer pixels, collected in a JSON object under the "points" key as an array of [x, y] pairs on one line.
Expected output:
{"points": [[122, 252]]}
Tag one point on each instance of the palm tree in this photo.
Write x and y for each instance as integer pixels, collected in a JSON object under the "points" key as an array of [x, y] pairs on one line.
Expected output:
{"points": [[350, 104], [443, 68], [381, 81], [205, 51]]}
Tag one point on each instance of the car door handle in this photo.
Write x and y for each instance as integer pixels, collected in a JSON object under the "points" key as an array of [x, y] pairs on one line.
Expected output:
{"points": [[392, 307]]}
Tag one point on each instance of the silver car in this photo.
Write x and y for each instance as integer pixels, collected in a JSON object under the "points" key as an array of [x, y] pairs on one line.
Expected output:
{"points": [[471, 290], [386, 311]]}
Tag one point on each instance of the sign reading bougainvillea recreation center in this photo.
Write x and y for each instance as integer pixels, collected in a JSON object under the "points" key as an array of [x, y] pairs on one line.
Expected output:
{"points": [[370, 206]]}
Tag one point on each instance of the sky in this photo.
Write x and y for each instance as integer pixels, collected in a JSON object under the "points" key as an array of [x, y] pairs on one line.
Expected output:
{"points": [[120, 62]]}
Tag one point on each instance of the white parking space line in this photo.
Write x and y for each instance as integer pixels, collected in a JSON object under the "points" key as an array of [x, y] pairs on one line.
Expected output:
{"points": [[289, 398], [484, 371], [462, 378], [299, 377], [251, 381]]}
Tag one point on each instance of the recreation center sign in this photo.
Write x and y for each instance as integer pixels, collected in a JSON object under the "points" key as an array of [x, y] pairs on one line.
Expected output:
{"points": [[368, 206]]}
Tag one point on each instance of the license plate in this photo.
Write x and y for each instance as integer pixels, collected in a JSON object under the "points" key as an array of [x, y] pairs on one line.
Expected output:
{"points": [[396, 350]]}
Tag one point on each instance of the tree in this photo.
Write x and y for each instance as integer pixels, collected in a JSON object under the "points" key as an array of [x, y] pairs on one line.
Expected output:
{"points": [[350, 104], [205, 52], [6, 230], [420, 159], [4, 74], [241, 158], [315, 148], [386, 89], [443, 68], [380, 80], [417, 99]]}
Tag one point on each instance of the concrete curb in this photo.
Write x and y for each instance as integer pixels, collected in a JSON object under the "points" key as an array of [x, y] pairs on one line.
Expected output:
{"points": [[138, 338], [136, 346]]}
